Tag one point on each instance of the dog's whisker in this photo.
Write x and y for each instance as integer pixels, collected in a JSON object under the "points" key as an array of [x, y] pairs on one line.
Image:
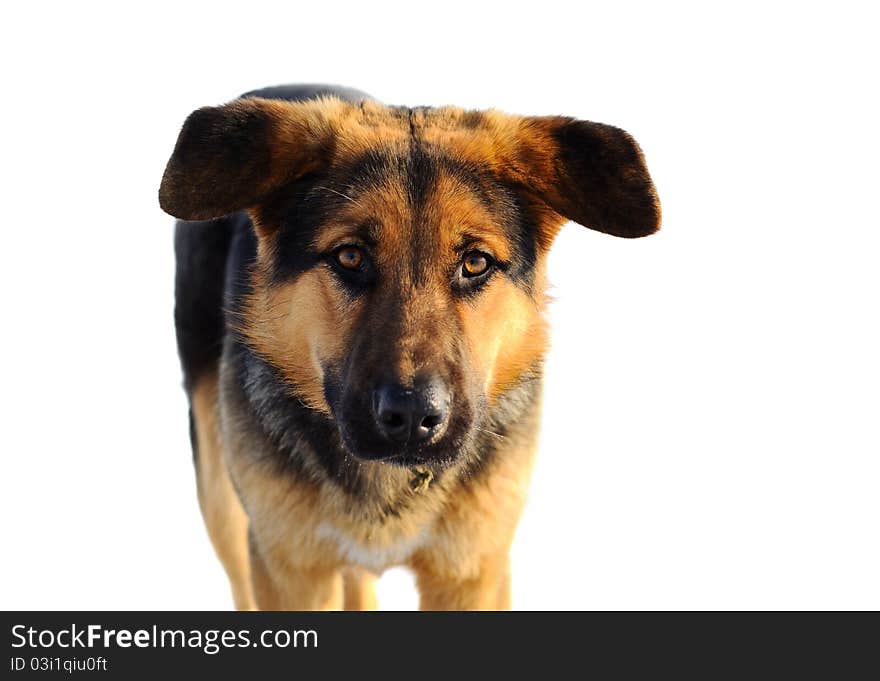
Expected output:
{"points": [[493, 433], [338, 193], [274, 319]]}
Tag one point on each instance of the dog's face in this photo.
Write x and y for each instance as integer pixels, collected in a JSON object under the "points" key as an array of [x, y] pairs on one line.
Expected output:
{"points": [[399, 281]]}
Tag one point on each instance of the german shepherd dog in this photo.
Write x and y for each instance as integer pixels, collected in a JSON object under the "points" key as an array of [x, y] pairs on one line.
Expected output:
{"points": [[360, 292]]}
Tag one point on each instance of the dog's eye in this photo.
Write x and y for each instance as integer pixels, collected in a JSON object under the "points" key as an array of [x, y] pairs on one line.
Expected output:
{"points": [[475, 264], [349, 257]]}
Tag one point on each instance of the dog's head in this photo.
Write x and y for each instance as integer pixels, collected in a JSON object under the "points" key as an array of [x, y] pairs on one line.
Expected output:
{"points": [[399, 282]]}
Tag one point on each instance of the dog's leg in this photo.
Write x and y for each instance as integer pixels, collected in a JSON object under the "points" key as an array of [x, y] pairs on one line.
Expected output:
{"points": [[224, 516], [467, 566], [282, 587], [360, 589], [488, 589]]}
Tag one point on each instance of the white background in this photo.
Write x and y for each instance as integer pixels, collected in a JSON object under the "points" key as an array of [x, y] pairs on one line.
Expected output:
{"points": [[711, 430]]}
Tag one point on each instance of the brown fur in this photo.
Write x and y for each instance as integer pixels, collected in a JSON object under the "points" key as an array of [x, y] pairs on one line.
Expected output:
{"points": [[298, 538]]}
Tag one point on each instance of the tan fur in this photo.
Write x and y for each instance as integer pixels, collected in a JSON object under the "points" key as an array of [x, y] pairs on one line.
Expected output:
{"points": [[224, 517], [298, 325], [466, 566], [518, 335], [360, 589], [312, 588]]}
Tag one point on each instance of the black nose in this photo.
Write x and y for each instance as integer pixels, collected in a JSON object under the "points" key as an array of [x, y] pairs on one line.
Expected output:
{"points": [[411, 414]]}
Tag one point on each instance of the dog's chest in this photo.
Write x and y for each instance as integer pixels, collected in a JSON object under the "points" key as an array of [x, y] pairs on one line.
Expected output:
{"points": [[376, 554]]}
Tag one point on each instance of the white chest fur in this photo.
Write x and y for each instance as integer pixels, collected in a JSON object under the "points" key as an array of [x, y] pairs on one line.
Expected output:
{"points": [[373, 556]]}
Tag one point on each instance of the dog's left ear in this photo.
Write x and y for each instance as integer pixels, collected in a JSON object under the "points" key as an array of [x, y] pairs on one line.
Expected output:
{"points": [[590, 173]]}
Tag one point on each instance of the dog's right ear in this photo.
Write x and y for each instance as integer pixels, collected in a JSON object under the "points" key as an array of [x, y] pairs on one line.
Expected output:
{"points": [[230, 157]]}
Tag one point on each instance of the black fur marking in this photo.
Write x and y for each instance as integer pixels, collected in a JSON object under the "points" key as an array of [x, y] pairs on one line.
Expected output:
{"points": [[220, 163], [604, 182], [524, 236], [298, 211], [420, 175], [193, 439], [365, 170], [201, 249], [299, 93], [295, 430]]}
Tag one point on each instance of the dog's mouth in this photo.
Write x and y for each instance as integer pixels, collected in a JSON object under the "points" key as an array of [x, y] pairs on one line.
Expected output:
{"points": [[439, 451], [360, 439]]}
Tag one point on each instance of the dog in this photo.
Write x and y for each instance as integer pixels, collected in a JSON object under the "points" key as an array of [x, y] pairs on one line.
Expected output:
{"points": [[360, 296]]}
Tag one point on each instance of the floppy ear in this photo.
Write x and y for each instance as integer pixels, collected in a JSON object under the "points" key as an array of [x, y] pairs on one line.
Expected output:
{"points": [[590, 173], [230, 157]]}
